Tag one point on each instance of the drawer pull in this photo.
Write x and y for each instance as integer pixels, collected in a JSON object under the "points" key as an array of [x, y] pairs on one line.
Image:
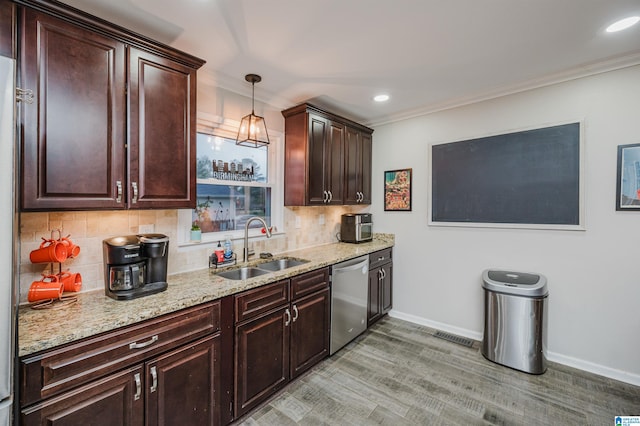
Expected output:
{"points": [[154, 379], [380, 259], [136, 377], [136, 345]]}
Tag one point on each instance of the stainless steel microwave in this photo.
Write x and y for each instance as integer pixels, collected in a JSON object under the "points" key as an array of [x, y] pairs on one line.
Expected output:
{"points": [[356, 228]]}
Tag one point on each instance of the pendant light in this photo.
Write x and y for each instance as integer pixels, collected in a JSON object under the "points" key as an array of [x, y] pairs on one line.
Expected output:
{"points": [[253, 130]]}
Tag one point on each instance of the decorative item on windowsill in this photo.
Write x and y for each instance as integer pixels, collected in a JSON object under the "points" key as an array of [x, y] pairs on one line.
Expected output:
{"points": [[253, 129], [202, 215]]}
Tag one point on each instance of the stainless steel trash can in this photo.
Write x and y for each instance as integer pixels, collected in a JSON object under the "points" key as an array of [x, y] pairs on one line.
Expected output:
{"points": [[515, 320]]}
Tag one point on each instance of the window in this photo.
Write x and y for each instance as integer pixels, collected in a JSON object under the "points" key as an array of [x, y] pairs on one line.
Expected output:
{"points": [[233, 183], [233, 189]]}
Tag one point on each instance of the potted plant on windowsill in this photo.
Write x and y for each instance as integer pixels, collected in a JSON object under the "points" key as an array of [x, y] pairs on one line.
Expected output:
{"points": [[196, 232], [201, 212]]}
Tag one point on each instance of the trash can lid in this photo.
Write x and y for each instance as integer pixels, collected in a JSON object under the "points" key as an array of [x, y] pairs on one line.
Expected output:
{"points": [[516, 283]]}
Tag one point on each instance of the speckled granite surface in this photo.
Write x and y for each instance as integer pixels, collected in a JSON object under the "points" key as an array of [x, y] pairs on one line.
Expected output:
{"points": [[95, 313]]}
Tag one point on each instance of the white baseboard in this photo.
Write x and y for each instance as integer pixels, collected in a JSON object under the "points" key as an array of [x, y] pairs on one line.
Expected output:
{"points": [[602, 370], [612, 373], [437, 325]]}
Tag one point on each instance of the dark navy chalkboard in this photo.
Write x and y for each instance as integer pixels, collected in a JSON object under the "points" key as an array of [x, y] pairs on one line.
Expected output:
{"points": [[526, 177]]}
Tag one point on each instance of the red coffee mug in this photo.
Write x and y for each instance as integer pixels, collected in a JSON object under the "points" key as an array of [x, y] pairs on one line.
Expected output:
{"points": [[47, 288], [71, 281], [49, 251], [72, 249]]}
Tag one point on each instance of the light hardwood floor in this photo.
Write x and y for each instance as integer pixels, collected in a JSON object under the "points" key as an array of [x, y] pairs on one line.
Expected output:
{"points": [[397, 373]]}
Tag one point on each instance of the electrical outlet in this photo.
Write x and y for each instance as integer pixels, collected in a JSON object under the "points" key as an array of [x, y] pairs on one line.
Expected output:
{"points": [[298, 222], [146, 229], [321, 219]]}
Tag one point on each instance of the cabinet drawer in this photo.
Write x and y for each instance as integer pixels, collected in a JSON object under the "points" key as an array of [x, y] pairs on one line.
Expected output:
{"points": [[50, 373], [252, 303], [380, 257], [307, 283]]}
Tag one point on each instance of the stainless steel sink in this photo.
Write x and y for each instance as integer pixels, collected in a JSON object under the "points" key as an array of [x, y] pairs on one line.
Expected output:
{"points": [[242, 273], [280, 264]]}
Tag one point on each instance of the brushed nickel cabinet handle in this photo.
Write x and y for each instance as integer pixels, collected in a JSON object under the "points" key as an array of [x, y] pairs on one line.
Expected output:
{"points": [[119, 191], [288, 320], [295, 313], [154, 380], [134, 185], [136, 345], [24, 95], [330, 196], [136, 377]]}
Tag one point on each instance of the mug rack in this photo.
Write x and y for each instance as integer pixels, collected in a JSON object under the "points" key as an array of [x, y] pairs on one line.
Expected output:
{"points": [[51, 267]]}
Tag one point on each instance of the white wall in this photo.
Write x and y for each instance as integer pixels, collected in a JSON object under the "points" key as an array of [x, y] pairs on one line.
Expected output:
{"points": [[594, 275]]}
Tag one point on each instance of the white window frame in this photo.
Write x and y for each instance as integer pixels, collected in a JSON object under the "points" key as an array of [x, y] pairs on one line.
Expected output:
{"points": [[219, 126]]}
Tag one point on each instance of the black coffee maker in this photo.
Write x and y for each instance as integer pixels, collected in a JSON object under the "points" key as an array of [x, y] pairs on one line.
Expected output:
{"points": [[135, 265]]}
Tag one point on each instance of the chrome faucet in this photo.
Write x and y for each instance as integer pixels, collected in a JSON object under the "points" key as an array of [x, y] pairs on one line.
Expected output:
{"points": [[245, 252]]}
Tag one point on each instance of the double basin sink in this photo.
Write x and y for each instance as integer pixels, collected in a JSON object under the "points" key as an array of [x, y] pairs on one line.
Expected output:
{"points": [[247, 272]]}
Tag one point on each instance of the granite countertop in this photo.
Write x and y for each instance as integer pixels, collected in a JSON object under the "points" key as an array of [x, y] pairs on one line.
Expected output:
{"points": [[95, 313]]}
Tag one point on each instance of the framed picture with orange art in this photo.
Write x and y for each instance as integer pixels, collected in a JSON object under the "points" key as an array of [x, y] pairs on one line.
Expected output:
{"points": [[397, 190]]}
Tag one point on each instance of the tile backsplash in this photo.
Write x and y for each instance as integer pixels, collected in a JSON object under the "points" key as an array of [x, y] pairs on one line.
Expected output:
{"points": [[88, 229]]}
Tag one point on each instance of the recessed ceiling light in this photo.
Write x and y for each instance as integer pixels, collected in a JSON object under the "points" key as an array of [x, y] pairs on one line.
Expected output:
{"points": [[381, 98], [623, 24]]}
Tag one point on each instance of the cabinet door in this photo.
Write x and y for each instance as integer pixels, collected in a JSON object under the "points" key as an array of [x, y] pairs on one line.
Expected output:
{"points": [[386, 287], [365, 171], [310, 328], [318, 167], [115, 400], [373, 310], [7, 28], [73, 136], [334, 153], [261, 358], [326, 161], [357, 167], [162, 154], [183, 386]]}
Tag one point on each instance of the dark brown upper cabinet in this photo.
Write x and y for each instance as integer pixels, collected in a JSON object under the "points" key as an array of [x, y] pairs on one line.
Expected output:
{"points": [[327, 158], [7, 28], [358, 167], [112, 123]]}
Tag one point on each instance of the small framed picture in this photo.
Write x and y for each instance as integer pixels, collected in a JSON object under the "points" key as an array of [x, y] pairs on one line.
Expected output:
{"points": [[397, 190], [628, 185]]}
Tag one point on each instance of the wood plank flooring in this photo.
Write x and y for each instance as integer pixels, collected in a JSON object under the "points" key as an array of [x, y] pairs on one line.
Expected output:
{"points": [[397, 373]]}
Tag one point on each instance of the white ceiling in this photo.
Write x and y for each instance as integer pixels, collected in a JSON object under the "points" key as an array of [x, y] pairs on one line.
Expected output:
{"points": [[426, 54]]}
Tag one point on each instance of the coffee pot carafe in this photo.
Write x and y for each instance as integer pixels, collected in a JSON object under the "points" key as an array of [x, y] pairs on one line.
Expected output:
{"points": [[135, 265]]}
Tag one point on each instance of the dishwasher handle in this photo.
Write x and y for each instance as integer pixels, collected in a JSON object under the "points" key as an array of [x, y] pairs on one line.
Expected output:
{"points": [[362, 264]]}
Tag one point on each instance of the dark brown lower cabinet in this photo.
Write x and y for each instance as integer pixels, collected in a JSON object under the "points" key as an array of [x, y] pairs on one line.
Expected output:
{"points": [[380, 300], [169, 370], [177, 388], [309, 331], [114, 400], [182, 385], [275, 346], [262, 358]]}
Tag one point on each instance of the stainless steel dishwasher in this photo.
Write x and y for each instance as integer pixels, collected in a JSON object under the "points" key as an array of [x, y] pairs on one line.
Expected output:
{"points": [[349, 291]]}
